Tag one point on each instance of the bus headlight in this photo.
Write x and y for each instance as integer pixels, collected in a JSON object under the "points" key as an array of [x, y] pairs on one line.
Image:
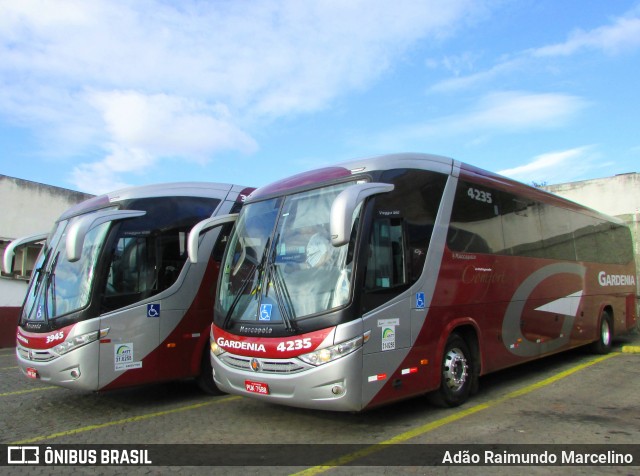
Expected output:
{"points": [[328, 354], [215, 348], [75, 342]]}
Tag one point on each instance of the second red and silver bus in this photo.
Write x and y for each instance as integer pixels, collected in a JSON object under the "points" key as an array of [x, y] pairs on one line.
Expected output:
{"points": [[113, 301]]}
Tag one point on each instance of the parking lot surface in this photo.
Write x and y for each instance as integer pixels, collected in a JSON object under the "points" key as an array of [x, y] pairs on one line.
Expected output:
{"points": [[571, 398]]}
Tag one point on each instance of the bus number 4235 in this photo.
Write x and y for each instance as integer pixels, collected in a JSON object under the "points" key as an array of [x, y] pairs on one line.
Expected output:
{"points": [[296, 344]]}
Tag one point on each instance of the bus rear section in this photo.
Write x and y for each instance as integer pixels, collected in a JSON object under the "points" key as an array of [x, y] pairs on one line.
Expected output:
{"points": [[362, 284], [113, 302]]}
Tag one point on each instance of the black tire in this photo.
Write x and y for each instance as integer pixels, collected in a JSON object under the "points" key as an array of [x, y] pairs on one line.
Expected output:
{"points": [[457, 374], [605, 335], [205, 379]]}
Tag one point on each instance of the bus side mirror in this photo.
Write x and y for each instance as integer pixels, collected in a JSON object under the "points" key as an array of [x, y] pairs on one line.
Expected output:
{"points": [[346, 203], [82, 225], [9, 252], [194, 234]]}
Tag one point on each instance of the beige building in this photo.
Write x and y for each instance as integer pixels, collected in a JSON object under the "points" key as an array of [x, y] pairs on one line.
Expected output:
{"points": [[26, 208]]}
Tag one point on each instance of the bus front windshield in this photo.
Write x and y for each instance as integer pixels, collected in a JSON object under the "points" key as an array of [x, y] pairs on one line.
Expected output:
{"points": [[60, 286], [280, 264]]}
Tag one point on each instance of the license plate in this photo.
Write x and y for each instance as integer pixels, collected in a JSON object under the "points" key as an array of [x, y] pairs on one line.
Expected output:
{"points": [[256, 387], [32, 373]]}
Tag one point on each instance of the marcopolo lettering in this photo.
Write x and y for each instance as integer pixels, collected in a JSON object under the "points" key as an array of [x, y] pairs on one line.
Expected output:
{"points": [[616, 279], [256, 330]]}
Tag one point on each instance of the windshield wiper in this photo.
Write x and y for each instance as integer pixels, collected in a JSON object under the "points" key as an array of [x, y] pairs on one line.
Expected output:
{"points": [[283, 298], [50, 287], [282, 295], [40, 271], [245, 283]]}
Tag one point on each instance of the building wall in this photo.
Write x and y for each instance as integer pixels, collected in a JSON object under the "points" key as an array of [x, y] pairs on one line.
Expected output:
{"points": [[26, 208], [29, 207]]}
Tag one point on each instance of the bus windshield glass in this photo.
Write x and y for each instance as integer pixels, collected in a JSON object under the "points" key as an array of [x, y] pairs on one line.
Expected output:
{"points": [[144, 256], [280, 264], [60, 286]]}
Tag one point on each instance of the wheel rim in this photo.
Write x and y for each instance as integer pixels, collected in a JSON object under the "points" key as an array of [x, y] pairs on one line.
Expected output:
{"points": [[456, 369], [605, 332]]}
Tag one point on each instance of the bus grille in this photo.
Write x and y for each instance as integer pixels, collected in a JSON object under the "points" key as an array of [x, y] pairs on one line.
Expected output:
{"points": [[35, 355], [266, 366]]}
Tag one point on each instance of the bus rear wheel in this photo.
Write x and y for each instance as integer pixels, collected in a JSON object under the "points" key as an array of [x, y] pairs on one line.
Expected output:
{"points": [[205, 379], [456, 376], [605, 335]]}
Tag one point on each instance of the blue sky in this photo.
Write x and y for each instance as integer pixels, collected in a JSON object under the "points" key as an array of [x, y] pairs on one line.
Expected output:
{"points": [[97, 95]]}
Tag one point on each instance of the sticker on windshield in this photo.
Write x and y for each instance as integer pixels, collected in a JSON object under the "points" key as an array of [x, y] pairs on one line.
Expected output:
{"points": [[123, 357], [265, 312]]}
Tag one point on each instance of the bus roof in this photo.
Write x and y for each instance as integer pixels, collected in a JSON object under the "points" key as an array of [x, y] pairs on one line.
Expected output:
{"points": [[184, 189], [419, 161]]}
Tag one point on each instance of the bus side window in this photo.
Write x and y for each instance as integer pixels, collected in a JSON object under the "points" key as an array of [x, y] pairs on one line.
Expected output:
{"points": [[401, 229], [557, 233], [521, 226], [475, 220], [613, 242], [148, 253], [385, 266]]}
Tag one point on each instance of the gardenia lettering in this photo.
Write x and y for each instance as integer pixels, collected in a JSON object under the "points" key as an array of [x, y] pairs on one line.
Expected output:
{"points": [[234, 344], [616, 279]]}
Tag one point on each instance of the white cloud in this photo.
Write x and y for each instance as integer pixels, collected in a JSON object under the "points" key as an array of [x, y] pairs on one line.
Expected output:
{"points": [[556, 167], [496, 113], [622, 35], [169, 125], [103, 176], [191, 77], [514, 110], [458, 83]]}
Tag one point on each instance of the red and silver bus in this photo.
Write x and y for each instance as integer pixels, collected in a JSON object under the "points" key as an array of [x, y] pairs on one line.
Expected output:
{"points": [[362, 284], [113, 301]]}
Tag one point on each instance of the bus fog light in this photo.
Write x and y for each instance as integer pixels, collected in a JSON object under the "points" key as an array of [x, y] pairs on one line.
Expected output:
{"points": [[337, 390], [75, 374]]}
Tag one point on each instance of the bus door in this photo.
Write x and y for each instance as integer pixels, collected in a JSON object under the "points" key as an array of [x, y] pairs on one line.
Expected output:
{"points": [[387, 318], [151, 300], [134, 326], [393, 306]]}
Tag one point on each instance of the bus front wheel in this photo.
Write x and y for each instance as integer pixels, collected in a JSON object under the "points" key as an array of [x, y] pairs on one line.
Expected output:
{"points": [[205, 379], [456, 376]]}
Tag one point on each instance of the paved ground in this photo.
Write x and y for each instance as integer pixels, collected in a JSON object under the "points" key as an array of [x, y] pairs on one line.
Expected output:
{"points": [[572, 398]]}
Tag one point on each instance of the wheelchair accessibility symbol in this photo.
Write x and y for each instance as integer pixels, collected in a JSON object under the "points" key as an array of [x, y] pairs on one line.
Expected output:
{"points": [[419, 300], [265, 312], [153, 310]]}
